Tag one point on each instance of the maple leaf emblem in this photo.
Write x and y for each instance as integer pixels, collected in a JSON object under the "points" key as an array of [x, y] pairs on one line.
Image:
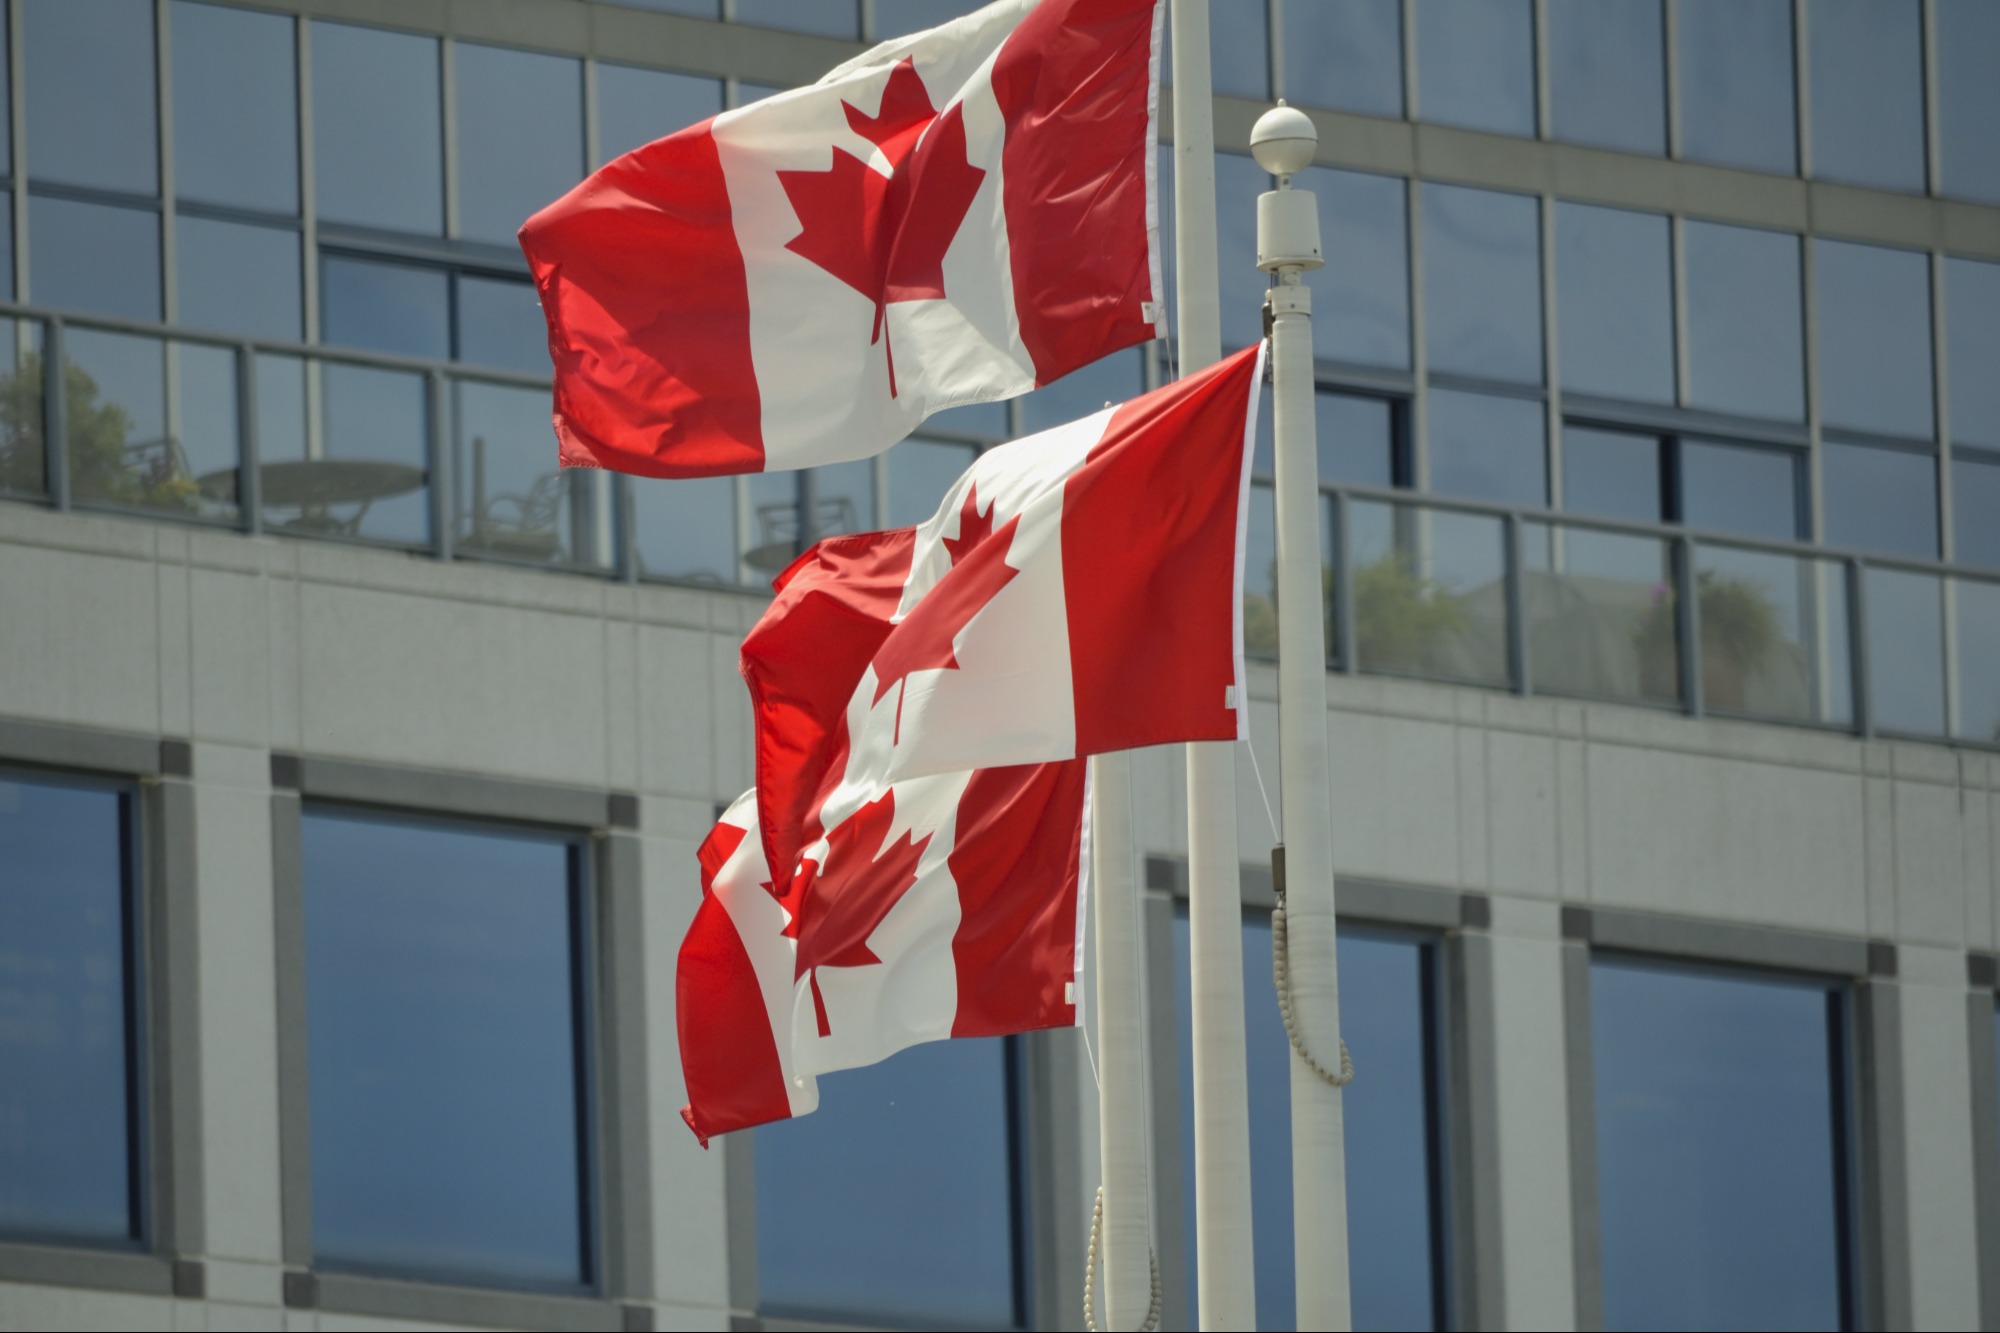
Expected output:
{"points": [[835, 907], [979, 569], [886, 235]]}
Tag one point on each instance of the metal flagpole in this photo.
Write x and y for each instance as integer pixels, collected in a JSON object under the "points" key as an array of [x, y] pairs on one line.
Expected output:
{"points": [[1225, 1288], [1283, 142]]}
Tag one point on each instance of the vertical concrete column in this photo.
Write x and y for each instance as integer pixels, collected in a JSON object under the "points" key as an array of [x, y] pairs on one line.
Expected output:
{"points": [[1941, 1179]]}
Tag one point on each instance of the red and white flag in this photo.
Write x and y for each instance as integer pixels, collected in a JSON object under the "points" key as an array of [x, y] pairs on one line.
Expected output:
{"points": [[954, 217]]}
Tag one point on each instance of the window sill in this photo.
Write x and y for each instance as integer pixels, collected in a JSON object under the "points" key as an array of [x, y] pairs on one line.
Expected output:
{"points": [[103, 1270], [388, 1298]]}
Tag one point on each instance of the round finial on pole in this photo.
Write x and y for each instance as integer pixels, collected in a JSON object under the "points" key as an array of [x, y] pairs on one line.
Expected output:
{"points": [[1283, 140]]}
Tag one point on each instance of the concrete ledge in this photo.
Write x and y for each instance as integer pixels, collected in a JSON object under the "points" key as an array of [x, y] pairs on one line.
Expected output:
{"points": [[58, 745], [107, 1270], [445, 793], [1714, 941], [1356, 900], [387, 1298]]}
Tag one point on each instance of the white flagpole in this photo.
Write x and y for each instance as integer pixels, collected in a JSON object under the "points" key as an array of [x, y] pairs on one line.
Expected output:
{"points": [[1287, 245], [1226, 1294]]}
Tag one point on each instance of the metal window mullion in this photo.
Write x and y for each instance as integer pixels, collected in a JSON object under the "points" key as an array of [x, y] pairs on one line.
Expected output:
{"points": [[17, 132], [593, 129], [448, 115], [1670, 72], [1933, 100], [163, 84], [435, 388], [1343, 585], [1677, 243], [308, 188], [1687, 616], [1420, 452], [1519, 669], [1809, 355], [1801, 90], [249, 466], [1544, 99], [1551, 360], [1857, 647], [1409, 23], [1274, 46], [55, 411], [625, 530], [1941, 410]]}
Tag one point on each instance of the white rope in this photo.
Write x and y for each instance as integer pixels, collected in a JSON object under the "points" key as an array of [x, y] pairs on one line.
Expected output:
{"points": [[1090, 1274], [1281, 978], [1257, 770]]}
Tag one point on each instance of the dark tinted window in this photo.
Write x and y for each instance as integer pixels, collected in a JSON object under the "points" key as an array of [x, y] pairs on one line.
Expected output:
{"points": [[442, 969], [1880, 499], [1744, 325], [895, 1200], [1487, 448], [1874, 324], [1615, 302], [1482, 283], [90, 83], [1613, 474], [520, 136], [378, 138], [1357, 441], [1476, 64], [1975, 502], [1607, 74], [500, 324], [1972, 343], [1346, 54], [1868, 93], [1737, 96], [1719, 1148], [238, 278], [95, 258], [637, 106], [236, 108], [1969, 97], [1755, 492], [66, 1118], [1361, 304], [1905, 631], [400, 308]]}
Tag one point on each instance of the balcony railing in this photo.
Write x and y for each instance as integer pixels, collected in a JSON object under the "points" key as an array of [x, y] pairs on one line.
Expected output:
{"points": [[458, 461]]}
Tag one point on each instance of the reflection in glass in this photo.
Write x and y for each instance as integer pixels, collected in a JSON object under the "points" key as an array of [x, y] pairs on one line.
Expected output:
{"points": [[1905, 627], [520, 136], [236, 108], [23, 448], [920, 472], [90, 94], [828, 18], [512, 501], [1615, 302], [378, 128], [1745, 349], [1720, 1147], [115, 396], [206, 429], [1388, 1018], [1602, 616], [1737, 99], [385, 307], [95, 258], [769, 529], [236, 278], [66, 1089], [685, 529], [916, 1158], [1978, 649], [1868, 93], [500, 324], [1361, 299], [1476, 65], [1482, 282], [1968, 33], [1975, 506], [1345, 54], [637, 106], [1429, 592], [1612, 474], [1972, 342], [1774, 635], [1874, 325], [369, 479], [6, 230], [442, 1050], [1357, 439], [843, 499], [1487, 448], [282, 426], [6, 95], [1607, 74], [1112, 379], [1879, 499], [1754, 492], [1260, 574]]}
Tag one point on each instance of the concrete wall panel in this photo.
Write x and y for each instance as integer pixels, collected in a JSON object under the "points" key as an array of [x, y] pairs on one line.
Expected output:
{"points": [[675, 743], [1930, 863], [1937, 1110], [230, 657], [1395, 804], [79, 638], [1520, 813]]}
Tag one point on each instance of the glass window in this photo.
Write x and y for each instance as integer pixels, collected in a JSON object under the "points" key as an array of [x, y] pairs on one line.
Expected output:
{"points": [[1972, 343], [1720, 1147], [238, 278], [1615, 302], [1112, 379], [1476, 64], [1241, 285], [899, 18], [1607, 74], [378, 128], [1482, 283], [916, 1158], [1975, 505], [6, 93], [23, 452], [843, 498], [94, 258], [637, 106], [1738, 105], [1357, 439], [1346, 54], [686, 529], [1868, 93], [119, 450], [1613, 474], [67, 1090], [385, 307], [444, 1050], [1487, 448], [1362, 296], [920, 472], [1874, 324], [369, 480], [828, 18], [1240, 52], [1978, 634], [1755, 492], [512, 500], [1387, 1012], [1905, 629], [1969, 98], [500, 324], [91, 104], [1880, 499], [1744, 323], [236, 108], [520, 136], [6, 232]]}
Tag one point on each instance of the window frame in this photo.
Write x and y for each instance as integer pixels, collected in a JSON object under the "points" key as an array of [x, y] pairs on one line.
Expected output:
{"points": [[1982, 1002]]}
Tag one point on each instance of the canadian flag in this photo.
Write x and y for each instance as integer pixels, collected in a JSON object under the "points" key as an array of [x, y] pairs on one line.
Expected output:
{"points": [[954, 217]]}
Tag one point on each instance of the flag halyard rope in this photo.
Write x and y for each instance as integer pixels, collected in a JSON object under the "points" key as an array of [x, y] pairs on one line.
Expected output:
{"points": [[1281, 979], [1090, 1274]]}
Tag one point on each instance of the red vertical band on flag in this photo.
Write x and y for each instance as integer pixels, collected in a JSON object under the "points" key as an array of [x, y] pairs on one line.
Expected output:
{"points": [[1150, 578], [1074, 83], [1018, 829], [648, 310], [729, 1055]]}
